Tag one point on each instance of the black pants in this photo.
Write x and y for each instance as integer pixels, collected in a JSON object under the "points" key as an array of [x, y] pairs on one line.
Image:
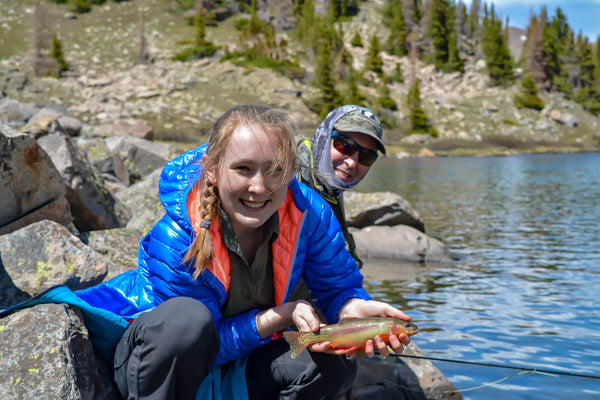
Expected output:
{"points": [[271, 373], [167, 352]]}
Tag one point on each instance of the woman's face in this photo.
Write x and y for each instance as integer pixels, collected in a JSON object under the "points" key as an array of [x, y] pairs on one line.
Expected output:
{"points": [[249, 190]]}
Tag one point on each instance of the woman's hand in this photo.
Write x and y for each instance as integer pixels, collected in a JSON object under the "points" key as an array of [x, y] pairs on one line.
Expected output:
{"points": [[278, 318], [305, 317], [358, 308]]}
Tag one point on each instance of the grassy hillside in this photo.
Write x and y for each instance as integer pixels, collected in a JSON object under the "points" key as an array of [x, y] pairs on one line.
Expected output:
{"points": [[181, 100]]}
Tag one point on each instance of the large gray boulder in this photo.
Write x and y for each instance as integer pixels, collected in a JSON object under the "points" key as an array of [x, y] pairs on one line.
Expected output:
{"points": [[133, 127], [120, 246], [142, 200], [32, 187], [15, 113], [138, 156], [71, 126], [45, 353], [380, 208], [92, 205], [42, 255], [401, 242]]}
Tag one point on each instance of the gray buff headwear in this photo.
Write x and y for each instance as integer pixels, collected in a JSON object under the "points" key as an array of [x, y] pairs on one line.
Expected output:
{"points": [[321, 142]]}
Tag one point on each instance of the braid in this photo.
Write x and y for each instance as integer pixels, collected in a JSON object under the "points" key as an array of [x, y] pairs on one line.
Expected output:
{"points": [[210, 202], [201, 249]]}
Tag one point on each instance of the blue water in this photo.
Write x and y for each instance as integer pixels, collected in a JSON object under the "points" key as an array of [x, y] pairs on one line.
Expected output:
{"points": [[526, 290]]}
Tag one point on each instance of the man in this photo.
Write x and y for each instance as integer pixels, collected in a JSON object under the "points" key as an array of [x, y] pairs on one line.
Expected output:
{"points": [[339, 156]]}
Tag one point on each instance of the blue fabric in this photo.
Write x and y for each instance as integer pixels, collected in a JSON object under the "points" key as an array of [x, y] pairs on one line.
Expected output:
{"points": [[320, 257], [228, 385], [105, 327]]}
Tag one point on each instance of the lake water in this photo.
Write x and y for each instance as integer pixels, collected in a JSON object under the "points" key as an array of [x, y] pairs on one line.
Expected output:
{"points": [[526, 290]]}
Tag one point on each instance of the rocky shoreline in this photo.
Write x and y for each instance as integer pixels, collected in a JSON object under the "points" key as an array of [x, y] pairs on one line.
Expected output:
{"points": [[76, 203]]}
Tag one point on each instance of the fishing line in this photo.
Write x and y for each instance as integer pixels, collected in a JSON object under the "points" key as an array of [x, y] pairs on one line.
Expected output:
{"points": [[538, 370], [419, 390]]}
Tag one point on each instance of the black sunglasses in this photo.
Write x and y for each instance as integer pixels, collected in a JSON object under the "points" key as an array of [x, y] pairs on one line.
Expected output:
{"points": [[348, 147]]}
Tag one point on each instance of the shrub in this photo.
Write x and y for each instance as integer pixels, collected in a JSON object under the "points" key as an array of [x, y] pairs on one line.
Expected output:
{"points": [[528, 97], [196, 52]]}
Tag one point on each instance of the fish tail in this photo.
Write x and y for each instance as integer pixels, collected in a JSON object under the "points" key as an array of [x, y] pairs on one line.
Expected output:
{"points": [[296, 342]]}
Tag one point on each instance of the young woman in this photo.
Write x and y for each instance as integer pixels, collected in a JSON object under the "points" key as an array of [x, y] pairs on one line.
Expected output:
{"points": [[215, 273]]}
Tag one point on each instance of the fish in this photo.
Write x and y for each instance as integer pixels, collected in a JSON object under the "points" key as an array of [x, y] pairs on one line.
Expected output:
{"points": [[351, 334]]}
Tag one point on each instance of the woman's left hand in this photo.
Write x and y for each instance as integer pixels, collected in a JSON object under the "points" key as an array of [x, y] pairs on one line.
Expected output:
{"points": [[358, 308]]}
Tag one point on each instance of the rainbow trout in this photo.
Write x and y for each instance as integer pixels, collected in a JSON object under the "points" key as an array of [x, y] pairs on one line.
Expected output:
{"points": [[351, 334]]}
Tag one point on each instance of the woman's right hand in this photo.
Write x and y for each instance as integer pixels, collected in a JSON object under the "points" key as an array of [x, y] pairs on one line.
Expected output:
{"points": [[278, 318], [305, 317]]}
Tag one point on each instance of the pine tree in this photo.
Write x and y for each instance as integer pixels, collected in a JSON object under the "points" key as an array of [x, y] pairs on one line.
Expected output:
{"points": [[255, 26], [57, 54], [329, 96], [597, 58], [551, 49], [356, 40], [594, 94], [297, 10], [585, 62], [528, 95], [455, 63], [495, 48], [587, 86], [398, 76], [384, 98], [201, 47], [306, 22], [352, 95], [199, 28], [396, 43], [549, 52], [417, 117], [80, 6], [374, 62], [335, 7], [387, 13], [343, 8]]}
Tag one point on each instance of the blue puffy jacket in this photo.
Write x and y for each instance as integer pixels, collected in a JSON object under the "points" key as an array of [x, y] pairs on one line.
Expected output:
{"points": [[318, 256]]}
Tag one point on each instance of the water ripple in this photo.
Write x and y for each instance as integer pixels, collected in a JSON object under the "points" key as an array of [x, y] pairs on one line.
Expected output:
{"points": [[526, 290]]}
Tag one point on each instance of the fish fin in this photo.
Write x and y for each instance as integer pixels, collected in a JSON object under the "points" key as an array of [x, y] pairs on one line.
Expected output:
{"points": [[360, 353], [294, 340]]}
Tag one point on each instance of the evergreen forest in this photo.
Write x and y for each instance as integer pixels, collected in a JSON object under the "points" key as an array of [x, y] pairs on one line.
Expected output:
{"points": [[313, 46]]}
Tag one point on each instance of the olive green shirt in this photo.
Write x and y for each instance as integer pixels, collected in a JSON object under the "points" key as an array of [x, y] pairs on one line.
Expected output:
{"points": [[251, 286]]}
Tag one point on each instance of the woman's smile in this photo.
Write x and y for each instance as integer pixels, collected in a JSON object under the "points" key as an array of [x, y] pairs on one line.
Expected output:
{"points": [[254, 204]]}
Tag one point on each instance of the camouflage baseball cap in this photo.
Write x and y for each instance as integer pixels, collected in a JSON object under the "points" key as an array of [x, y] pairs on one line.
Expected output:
{"points": [[362, 121]]}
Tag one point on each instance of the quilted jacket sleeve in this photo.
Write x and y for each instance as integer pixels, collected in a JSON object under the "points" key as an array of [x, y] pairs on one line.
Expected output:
{"points": [[329, 270]]}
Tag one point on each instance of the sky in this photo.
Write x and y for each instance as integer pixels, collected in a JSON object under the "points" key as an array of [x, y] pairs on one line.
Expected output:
{"points": [[582, 15]]}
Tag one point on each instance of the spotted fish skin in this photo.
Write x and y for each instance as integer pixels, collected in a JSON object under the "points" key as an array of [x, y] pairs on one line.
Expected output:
{"points": [[349, 334]]}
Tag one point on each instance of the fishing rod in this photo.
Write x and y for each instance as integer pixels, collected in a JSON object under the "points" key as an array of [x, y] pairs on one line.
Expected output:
{"points": [[540, 370]]}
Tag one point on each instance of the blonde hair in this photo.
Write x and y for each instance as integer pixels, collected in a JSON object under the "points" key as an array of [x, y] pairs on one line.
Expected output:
{"points": [[276, 123]]}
